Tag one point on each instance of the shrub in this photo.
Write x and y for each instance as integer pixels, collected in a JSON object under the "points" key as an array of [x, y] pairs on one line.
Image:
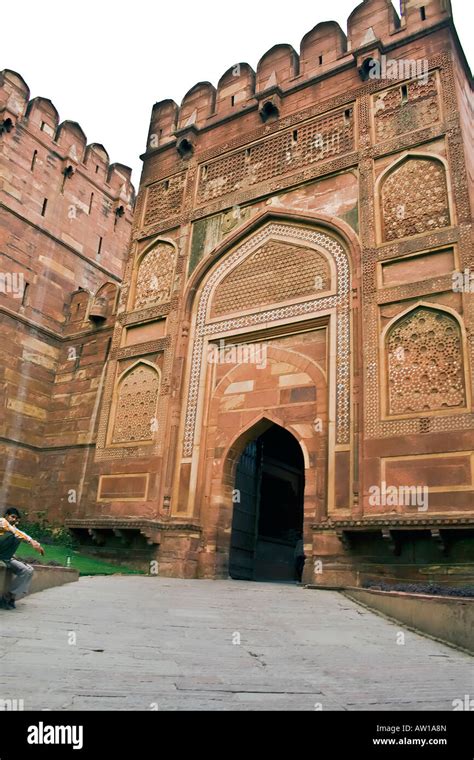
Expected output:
{"points": [[46, 533], [420, 588]]}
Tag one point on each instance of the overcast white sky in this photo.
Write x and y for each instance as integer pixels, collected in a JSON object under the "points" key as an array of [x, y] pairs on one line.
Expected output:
{"points": [[104, 63]]}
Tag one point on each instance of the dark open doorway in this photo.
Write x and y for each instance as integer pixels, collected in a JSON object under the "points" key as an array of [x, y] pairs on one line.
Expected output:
{"points": [[268, 510]]}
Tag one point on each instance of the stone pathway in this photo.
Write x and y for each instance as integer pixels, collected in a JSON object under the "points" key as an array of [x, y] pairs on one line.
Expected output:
{"points": [[150, 643]]}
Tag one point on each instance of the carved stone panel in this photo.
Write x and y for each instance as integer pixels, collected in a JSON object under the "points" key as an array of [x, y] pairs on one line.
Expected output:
{"points": [[406, 107], [311, 305], [164, 198], [136, 405], [317, 140], [276, 272], [425, 361], [155, 276], [415, 199]]}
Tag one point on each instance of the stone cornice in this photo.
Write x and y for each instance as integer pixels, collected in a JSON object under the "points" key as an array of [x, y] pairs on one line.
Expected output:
{"points": [[407, 523], [120, 523]]}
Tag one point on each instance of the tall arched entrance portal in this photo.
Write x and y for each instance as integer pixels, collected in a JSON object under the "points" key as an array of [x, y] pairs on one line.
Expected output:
{"points": [[267, 522], [266, 409]]}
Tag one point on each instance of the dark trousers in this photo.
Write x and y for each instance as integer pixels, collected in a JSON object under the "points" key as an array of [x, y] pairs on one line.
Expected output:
{"points": [[299, 565]]}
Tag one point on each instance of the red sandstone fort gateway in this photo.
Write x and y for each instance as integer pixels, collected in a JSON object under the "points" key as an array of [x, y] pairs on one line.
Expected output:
{"points": [[280, 348]]}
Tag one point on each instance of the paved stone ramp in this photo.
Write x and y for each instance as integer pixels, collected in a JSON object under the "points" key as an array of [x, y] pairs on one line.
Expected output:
{"points": [[159, 643]]}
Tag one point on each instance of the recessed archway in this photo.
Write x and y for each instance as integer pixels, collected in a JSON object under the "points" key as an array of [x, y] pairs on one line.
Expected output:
{"points": [[268, 508]]}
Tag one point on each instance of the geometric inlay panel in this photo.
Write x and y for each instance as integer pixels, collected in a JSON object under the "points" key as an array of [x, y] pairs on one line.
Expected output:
{"points": [[155, 276], [415, 199], [164, 198], [425, 363], [136, 405], [276, 272], [405, 108], [317, 140]]}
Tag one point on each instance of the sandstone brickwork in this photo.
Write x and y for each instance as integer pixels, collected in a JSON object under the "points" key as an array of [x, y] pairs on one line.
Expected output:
{"points": [[65, 221], [297, 235]]}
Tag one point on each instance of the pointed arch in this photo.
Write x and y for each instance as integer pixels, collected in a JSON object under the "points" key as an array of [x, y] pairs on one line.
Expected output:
{"points": [[135, 404], [277, 270], [151, 245], [136, 364], [303, 362], [323, 420], [153, 274], [400, 212], [79, 305], [104, 303], [284, 226], [244, 402], [256, 427], [425, 362], [341, 231], [252, 534]]}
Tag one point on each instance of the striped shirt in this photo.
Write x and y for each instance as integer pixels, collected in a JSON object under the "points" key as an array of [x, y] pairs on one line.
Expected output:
{"points": [[6, 527]]}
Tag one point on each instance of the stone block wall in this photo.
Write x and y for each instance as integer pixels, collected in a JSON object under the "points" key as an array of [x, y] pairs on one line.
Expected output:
{"points": [[65, 220]]}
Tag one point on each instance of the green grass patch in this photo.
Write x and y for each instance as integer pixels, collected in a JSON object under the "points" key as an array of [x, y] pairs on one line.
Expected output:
{"points": [[68, 557]]}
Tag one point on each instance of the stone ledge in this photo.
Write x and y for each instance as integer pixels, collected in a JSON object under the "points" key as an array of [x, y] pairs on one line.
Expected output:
{"points": [[341, 573], [402, 523], [447, 619], [109, 523], [45, 576]]}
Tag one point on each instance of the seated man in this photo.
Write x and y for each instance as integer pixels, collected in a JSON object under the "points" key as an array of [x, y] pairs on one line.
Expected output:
{"points": [[10, 538]]}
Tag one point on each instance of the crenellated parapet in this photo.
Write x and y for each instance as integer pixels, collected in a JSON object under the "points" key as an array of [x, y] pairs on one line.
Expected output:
{"points": [[66, 140], [69, 207], [322, 48], [371, 20], [236, 86], [42, 116], [277, 68], [373, 27], [197, 105]]}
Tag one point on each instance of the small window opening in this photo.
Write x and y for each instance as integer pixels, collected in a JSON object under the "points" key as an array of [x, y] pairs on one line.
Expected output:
{"points": [[295, 136], [119, 212], [6, 125], [45, 205], [68, 172], [232, 100], [366, 68], [320, 60], [99, 247], [97, 168], [185, 148], [24, 298], [423, 13], [91, 203], [33, 160], [166, 184], [404, 94], [269, 112]]}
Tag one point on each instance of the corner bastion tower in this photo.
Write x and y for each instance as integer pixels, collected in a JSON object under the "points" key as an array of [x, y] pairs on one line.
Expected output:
{"points": [[65, 221], [293, 344]]}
